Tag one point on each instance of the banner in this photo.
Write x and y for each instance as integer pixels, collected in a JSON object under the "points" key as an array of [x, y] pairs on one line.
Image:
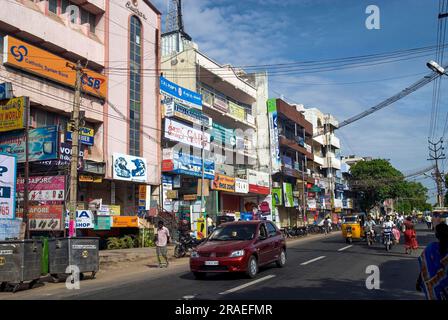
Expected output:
{"points": [[129, 168], [84, 219], [277, 198], [45, 217], [273, 133], [42, 63], [42, 143], [287, 193], [8, 180], [43, 188], [182, 95], [179, 132], [223, 183], [237, 111], [12, 114]]}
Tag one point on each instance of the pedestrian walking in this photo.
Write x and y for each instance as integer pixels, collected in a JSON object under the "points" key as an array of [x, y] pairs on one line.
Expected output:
{"points": [[162, 240], [210, 225], [428, 220], [410, 236], [433, 276]]}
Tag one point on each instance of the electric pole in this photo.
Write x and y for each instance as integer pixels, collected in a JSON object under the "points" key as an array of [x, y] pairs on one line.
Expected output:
{"points": [[75, 149], [436, 154]]}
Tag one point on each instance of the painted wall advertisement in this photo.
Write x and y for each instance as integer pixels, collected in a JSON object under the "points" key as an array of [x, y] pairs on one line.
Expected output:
{"points": [[223, 183], [84, 219], [46, 217], [179, 132], [43, 188], [12, 114], [180, 94], [42, 63], [277, 197], [273, 132], [258, 182], [288, 196], [129, 168], [8, 175], [42, 144]]}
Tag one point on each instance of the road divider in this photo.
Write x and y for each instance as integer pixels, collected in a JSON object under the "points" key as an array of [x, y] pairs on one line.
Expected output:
{"points": [[312, 260], [247, 284]]}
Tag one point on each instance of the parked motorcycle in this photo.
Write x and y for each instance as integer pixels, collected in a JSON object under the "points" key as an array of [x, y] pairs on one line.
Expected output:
{"points": [[186, 244]]}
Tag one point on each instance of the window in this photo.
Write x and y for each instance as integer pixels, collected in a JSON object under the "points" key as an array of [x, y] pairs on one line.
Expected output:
{"points": [[271, 229], [87, 17], [263, 232], [53, 6], [135, 86]]}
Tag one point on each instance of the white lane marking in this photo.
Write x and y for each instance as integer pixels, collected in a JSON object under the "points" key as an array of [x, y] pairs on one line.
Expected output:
{"points": [[248, 284], [345, 248], [312, 260]]}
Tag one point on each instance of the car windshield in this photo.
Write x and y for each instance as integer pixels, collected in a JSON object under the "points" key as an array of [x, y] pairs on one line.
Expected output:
{"points": [[350, 219], [234, 232]]}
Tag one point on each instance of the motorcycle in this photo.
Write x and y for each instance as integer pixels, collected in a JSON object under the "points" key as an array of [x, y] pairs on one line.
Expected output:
{"points": [[369, 236], [388, 239], [186, 244]]}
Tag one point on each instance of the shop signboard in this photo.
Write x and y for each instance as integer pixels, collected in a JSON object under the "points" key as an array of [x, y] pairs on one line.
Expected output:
{"points": [[236, 111], [5, 90], [12, 114], [223, 183], [42, 143], [129, 168], [86, 135], [10, 229], [241, 186], [114, 210], [172, 194], [273, 132], [8, 180], [223, 135], [258, 182], [19, 54], [179, 132], [103, 223], [144, 197], [125, 222], [220, 103], [338, 203], [90, 179], [43, 188], [84, 219], [65, 156], [250, 119], [287, 194], [312, 205], [177, 181], [180, 94], [201, 228], [45, 217], [277, 197], [167, 184], [191, 165], [192, 115], [190, 197]]}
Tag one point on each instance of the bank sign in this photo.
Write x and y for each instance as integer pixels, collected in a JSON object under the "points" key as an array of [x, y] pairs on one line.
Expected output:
{"points": [[180, 94], [8, 175], [42, 63]]}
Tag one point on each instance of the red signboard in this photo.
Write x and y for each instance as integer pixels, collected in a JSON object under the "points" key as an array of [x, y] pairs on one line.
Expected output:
{"points": [[258, 189], [167, 165], [44, 217]]}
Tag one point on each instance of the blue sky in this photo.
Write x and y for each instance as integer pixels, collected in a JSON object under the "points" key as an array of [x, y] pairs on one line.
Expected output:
{"points": [[254, 32]]}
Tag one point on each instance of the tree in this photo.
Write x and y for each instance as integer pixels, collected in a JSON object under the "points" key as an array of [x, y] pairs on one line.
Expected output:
{"points": [[413, 195]]}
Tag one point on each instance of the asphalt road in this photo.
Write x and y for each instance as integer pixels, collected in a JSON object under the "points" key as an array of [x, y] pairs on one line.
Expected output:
{"points": [[324, 268]]}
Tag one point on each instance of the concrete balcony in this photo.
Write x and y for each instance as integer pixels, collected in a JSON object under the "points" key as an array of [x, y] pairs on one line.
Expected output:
{"points": [[319, 160], [334, 141], [69, 41], [332, 162]]}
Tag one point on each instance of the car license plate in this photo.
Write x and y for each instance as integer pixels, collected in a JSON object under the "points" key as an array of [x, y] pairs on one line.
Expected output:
{"points": [[211, 263]]}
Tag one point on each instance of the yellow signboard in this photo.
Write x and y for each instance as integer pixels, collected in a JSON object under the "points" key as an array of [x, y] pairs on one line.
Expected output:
{"points": [[223, 183], [42, 63], [82, 130], [12, 114], [93, 179], [202, 230], [236, 111], [124, 222], [190, 197], [114, 210]]}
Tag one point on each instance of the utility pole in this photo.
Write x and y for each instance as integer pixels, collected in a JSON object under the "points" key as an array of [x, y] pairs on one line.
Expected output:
{"points": [[75, 149], [27, 170], [436, 154]]}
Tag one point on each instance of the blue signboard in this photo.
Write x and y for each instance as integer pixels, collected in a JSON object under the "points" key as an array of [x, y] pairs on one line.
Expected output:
{"points": [[5, 90], [190, 165], [185, 96], [88, 141], [42, 144]]}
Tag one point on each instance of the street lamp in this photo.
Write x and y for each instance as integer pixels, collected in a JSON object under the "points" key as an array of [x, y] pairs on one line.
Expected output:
{"points": [[434, 66]]}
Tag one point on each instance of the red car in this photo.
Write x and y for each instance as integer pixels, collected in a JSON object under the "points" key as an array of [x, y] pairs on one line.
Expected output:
{"points": [[241, 246]]}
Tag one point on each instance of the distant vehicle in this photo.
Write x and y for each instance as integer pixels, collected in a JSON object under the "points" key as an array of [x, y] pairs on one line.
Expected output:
{"points": [[241, 246]]}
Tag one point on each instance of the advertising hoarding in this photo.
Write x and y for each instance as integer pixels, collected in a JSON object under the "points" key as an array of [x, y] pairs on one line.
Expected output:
{"points": [[45, 217], [273, 133], [12, 114], [129, 168], [287, 194], [8, 180], [180, 94], [179, 132], [277, 197], [237, 111], [42, 144], [258, 182], [189, 164], [43, 188], [223, 183], [86, 135], [42, 63]]}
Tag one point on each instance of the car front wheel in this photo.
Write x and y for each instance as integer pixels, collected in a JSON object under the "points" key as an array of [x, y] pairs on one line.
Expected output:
{"points": [[281, 262], [252, 267]]}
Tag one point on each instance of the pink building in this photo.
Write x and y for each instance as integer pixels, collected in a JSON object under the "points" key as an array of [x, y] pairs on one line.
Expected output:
{"points": [[118, 43]]}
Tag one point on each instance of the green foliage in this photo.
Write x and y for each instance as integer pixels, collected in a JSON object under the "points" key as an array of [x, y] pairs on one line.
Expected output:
{"points": [[145, 238], [128, 242], [113, 243]]}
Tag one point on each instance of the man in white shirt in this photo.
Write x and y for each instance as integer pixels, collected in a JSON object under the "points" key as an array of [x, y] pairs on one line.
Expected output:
{"points": [[162, 240]]}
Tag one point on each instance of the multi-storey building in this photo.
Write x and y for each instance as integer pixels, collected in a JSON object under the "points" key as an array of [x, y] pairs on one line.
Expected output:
{"points": [[120, 146], [230, 118]]}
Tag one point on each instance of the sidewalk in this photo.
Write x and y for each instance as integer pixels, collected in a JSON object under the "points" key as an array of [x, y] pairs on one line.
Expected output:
{"points": [[118, 259]]}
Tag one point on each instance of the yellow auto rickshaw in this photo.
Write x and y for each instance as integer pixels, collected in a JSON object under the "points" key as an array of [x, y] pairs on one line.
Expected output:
{"points": [[352, 227]]}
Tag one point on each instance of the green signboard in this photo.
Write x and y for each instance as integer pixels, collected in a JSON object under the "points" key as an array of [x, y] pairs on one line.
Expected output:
{"points": [[277, 197], [287, 192], [102, 223]]}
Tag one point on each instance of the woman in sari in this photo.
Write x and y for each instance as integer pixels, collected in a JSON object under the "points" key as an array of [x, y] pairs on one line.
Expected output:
{"points": [[433, 278], [410, 236]]}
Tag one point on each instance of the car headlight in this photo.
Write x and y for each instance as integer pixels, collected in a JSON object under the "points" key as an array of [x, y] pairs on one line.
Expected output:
{"points": [[194, 254], [238, 253]]}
